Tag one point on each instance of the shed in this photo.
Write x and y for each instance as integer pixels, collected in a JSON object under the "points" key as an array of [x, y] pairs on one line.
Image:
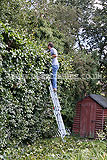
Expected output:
{"points": [[90, 116]]}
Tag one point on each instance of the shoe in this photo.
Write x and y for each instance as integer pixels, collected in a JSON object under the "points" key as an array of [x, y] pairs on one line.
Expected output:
{"points": [[54, 89]]}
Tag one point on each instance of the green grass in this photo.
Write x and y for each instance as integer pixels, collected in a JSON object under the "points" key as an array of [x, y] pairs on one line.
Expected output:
{"points": [[54, 149]]}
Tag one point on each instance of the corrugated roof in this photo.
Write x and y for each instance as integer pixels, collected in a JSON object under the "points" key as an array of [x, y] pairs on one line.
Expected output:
{"points": [[99, 99]]}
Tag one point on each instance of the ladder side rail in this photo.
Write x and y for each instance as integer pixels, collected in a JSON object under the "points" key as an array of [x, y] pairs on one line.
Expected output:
{"points": [[60, 123], [53, 97], [57, 112]]}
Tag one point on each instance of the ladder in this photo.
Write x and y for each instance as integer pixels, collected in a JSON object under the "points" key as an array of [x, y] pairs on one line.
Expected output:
{"points": [[57, 113]]}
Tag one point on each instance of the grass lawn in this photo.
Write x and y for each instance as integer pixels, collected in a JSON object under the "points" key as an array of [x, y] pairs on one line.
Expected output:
{"points": [[54, 149]]}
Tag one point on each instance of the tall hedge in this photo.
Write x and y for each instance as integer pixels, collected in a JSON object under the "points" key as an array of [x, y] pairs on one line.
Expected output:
{"points": [[25, 112]]}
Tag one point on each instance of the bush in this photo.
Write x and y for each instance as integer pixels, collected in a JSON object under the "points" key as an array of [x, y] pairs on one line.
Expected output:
{"points": [[25, 112]]}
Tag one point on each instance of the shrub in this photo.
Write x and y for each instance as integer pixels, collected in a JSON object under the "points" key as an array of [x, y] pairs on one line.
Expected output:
{"points": [[25, 112]]}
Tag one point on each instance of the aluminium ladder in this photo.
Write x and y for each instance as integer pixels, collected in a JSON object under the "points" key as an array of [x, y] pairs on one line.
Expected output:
{"points": [[57, 113]]}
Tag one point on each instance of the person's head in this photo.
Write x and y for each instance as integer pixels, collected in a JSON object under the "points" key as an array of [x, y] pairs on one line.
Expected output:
{"points": [[50, 45]]}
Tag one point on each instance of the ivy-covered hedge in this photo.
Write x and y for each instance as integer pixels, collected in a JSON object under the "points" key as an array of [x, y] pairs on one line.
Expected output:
{"points": [[25, 112]]}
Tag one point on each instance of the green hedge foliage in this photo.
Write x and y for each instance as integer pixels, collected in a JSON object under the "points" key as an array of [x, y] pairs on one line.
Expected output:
{"points": [[25, 109]]}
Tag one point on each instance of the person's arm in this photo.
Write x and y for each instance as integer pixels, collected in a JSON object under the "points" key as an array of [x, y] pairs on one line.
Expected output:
{"points": [[54, 55]]}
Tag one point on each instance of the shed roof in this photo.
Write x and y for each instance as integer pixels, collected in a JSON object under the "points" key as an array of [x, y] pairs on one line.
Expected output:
{"points": [[99, 99]]}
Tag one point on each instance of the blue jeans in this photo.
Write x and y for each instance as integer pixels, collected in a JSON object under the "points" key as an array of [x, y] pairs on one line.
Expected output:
{"points": [[54, 75]]}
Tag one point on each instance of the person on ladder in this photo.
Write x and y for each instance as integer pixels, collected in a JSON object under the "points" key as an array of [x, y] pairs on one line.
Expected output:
{"points": [[55, 65]]}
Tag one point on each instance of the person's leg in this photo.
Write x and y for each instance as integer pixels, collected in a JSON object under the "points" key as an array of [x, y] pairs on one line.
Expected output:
{"points": [[54, 76]]}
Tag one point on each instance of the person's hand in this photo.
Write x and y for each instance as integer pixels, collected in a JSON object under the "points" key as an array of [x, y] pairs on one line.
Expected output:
{"points": [[54, 56]]}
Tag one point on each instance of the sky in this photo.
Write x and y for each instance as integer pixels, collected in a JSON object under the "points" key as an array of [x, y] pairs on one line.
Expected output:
{"points": [[97, 4]]}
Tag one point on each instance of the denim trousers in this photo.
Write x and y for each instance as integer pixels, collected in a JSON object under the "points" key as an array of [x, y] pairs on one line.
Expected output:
{"points": [[54, 75]]}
